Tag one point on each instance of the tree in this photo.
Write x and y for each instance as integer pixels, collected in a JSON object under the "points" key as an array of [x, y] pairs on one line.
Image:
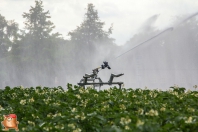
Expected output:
{"points": [[37, 23], [38, 30], [89, 36], [8, 37], [91, 29], [8, 34], [37, 53]]}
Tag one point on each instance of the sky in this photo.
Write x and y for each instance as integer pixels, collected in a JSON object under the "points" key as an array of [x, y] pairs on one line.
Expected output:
{"points": [[127, 16]]}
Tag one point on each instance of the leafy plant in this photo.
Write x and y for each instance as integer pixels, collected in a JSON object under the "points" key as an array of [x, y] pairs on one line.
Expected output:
{"points": [[113, 110]]}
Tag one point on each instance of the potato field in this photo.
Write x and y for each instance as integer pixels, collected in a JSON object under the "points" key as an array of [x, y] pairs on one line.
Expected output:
{"points": [[75, 109]]}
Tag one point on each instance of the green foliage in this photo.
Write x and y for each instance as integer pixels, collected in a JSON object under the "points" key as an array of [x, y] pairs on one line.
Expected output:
{"points": [[8, 35], [91, 29], [37, 22], [37, 50], [45, 56], [8, 38], [111, 110]]}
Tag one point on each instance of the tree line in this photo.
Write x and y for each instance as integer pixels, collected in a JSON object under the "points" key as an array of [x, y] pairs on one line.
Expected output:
{"points": [[36, 55]]}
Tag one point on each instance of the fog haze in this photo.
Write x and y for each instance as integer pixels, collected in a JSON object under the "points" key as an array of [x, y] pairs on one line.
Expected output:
{"points": [[167, 52]]}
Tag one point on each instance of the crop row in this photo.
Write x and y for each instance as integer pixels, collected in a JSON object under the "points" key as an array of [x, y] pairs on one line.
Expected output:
{"points": [[76, 109]]}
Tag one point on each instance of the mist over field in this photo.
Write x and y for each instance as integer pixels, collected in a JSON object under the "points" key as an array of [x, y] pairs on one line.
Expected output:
{"points": [[36, 55]]}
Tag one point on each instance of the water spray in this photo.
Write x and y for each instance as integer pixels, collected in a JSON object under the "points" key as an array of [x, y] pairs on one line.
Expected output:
{"points": [[167, 29], [93, 76]]}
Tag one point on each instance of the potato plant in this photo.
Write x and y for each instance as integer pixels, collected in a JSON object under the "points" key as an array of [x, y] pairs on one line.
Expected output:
{"points": [[75, 109]]}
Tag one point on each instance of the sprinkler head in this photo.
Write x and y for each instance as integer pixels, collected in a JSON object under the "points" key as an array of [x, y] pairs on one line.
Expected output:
{"points": [[105, 65]]}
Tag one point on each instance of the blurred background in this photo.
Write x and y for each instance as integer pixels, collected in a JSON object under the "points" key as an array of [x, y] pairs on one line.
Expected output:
{"points": [[34, 51]]}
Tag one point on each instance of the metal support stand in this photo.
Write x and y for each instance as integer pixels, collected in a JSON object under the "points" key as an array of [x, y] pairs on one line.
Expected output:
{"points": [[87, 77]]}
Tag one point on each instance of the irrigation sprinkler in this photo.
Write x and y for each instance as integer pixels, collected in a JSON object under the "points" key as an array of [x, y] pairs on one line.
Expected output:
{"points": [[89, 79]]}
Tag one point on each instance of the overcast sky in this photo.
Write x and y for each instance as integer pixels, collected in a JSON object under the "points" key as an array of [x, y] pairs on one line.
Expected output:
{"points": [[127, 16]]}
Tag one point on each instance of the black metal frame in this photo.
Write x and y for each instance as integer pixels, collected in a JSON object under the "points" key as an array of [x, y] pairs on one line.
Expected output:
{"points": [[87, 77]]}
